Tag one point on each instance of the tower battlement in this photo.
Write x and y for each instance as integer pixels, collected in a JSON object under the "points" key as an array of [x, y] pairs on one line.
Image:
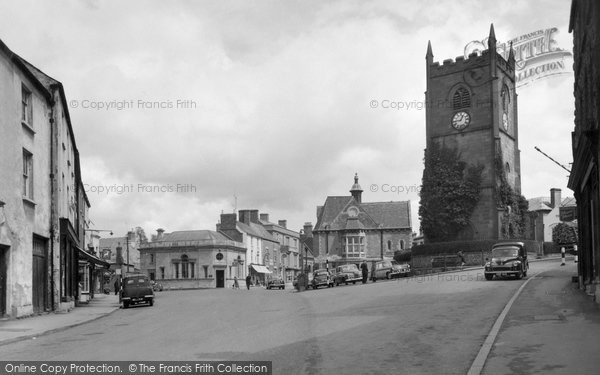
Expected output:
{"points": [[474, 60]]}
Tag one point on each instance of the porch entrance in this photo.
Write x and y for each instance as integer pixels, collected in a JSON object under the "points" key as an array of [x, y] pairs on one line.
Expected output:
{"points": [[220, 278], [39, 275]]}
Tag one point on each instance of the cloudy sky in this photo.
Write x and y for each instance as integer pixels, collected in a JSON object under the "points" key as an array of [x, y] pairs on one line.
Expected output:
{"points": [[268, 101]]}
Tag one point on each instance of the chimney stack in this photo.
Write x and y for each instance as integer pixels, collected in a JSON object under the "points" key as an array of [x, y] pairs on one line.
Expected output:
{"points": [[264, 217], [228, 221], [555, 197], [249, 216], [283, 223], [308, 229], [159, 234]]}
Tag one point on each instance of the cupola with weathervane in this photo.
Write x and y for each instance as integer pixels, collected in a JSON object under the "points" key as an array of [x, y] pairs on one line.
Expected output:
{"points": [[356, 190]]}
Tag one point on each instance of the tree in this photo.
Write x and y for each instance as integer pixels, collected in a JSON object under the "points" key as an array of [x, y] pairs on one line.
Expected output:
{"points": [[564, 234], [449, 193]]}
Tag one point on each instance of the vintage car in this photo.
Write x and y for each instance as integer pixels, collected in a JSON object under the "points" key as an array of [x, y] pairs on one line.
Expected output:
{"points": [[508, 259], [276, 283], [321, 277], [136, 290], [389, 269], [347, 273]]}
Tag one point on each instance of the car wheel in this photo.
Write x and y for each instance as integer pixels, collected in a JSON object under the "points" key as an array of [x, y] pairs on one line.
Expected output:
{"points": [[488, 276], [388, 275], [520, 275], [354, 282], [151, 302], [125, 304]]}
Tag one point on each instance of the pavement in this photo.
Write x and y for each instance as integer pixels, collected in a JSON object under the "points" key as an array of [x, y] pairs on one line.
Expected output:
{"points": [[552, 328], [31, 327]]}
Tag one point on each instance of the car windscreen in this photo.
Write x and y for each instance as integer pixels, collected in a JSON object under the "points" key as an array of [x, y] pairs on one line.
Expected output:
{"points": [[136, 281], [505, 252]]}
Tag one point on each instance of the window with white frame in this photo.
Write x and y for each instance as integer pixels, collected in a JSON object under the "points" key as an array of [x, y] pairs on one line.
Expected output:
{"points": [[26, 106], [27, 174], [354, 245]]}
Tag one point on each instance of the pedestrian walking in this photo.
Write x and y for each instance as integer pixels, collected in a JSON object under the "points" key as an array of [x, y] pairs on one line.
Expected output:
{"points": [[236, 285], [365, 272], [117, 286], [461, 257], [248, 281]]}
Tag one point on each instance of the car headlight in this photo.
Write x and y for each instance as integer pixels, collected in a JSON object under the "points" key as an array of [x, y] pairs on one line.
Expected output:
{"points": [[515, 263], [488, 264]]}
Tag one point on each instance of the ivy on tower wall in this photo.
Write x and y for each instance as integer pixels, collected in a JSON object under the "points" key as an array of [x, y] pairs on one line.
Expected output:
{"points": [[514, 205], [449, 193]]}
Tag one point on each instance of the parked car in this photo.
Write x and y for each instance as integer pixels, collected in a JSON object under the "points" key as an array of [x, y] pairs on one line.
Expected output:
{"points": [[157, 287], [390, 269], [347, 273], [136, 290], [508, 259], [276, 283], [321, 277]]}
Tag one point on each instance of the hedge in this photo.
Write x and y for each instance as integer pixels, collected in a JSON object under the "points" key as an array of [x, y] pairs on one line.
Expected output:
{"points": [[475, 246]]}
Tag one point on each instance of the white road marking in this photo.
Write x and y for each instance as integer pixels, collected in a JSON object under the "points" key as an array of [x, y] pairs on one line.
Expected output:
{"points": [[479, 362]]}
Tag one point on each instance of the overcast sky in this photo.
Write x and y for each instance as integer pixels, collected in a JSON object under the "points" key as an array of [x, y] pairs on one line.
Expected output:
{"points": [[278, 96]]}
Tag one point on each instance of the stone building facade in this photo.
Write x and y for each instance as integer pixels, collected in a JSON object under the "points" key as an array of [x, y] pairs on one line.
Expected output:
{"points": [[545, 213], [193, 259], [349, 230], [284, 263], [259, 243], [585, 177], [43, 207], [472, 107]]}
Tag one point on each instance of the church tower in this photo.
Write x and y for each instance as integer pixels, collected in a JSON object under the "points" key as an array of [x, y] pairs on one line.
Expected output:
{"points": [[472, 107]]}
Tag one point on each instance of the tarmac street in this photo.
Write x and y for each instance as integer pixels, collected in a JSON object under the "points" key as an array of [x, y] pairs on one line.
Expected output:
{"points": [[422, 325]]}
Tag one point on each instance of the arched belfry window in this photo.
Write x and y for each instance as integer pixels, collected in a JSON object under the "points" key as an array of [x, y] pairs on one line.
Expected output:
{"points": [[461, 99]]}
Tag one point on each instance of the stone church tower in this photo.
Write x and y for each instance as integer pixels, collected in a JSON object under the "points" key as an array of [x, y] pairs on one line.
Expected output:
{"points": [[472, 107]]}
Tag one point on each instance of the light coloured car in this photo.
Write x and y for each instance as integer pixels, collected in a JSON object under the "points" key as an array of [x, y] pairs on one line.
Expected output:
{"points": [[390, 269]]}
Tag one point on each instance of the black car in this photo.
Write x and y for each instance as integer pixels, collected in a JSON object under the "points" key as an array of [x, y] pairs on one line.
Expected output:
{"points": [[276, 283], [136, 290], [508, 259], [321, 277]]}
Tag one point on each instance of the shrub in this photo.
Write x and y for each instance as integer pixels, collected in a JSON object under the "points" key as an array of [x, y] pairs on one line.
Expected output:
{"points": [[402, 256], [475, 246]]}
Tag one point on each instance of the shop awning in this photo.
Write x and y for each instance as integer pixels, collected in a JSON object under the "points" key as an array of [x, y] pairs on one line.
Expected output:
{"points": [[84, 255], [260, 269]]}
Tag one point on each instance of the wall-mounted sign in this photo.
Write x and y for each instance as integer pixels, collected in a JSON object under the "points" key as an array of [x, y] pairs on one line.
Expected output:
{"points": [[567, 213], [537, 55]]}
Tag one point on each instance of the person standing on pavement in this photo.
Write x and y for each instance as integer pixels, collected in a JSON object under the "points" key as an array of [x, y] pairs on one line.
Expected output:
{"points": [[236, 285], [365, 272], [461, 258], [117, 286], [248, 281]]}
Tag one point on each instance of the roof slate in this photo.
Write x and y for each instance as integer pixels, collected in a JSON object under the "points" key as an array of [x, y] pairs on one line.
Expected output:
{"points": [[193, 235], [372, 215]]}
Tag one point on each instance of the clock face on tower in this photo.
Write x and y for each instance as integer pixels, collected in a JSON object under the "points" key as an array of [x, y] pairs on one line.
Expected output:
{"points": [[505, 121], [461, 120]]}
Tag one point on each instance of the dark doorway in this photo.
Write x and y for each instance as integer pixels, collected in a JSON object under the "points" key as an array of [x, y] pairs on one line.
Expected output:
{"points": [[3, 276], [39, 274], [220, 278]]}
